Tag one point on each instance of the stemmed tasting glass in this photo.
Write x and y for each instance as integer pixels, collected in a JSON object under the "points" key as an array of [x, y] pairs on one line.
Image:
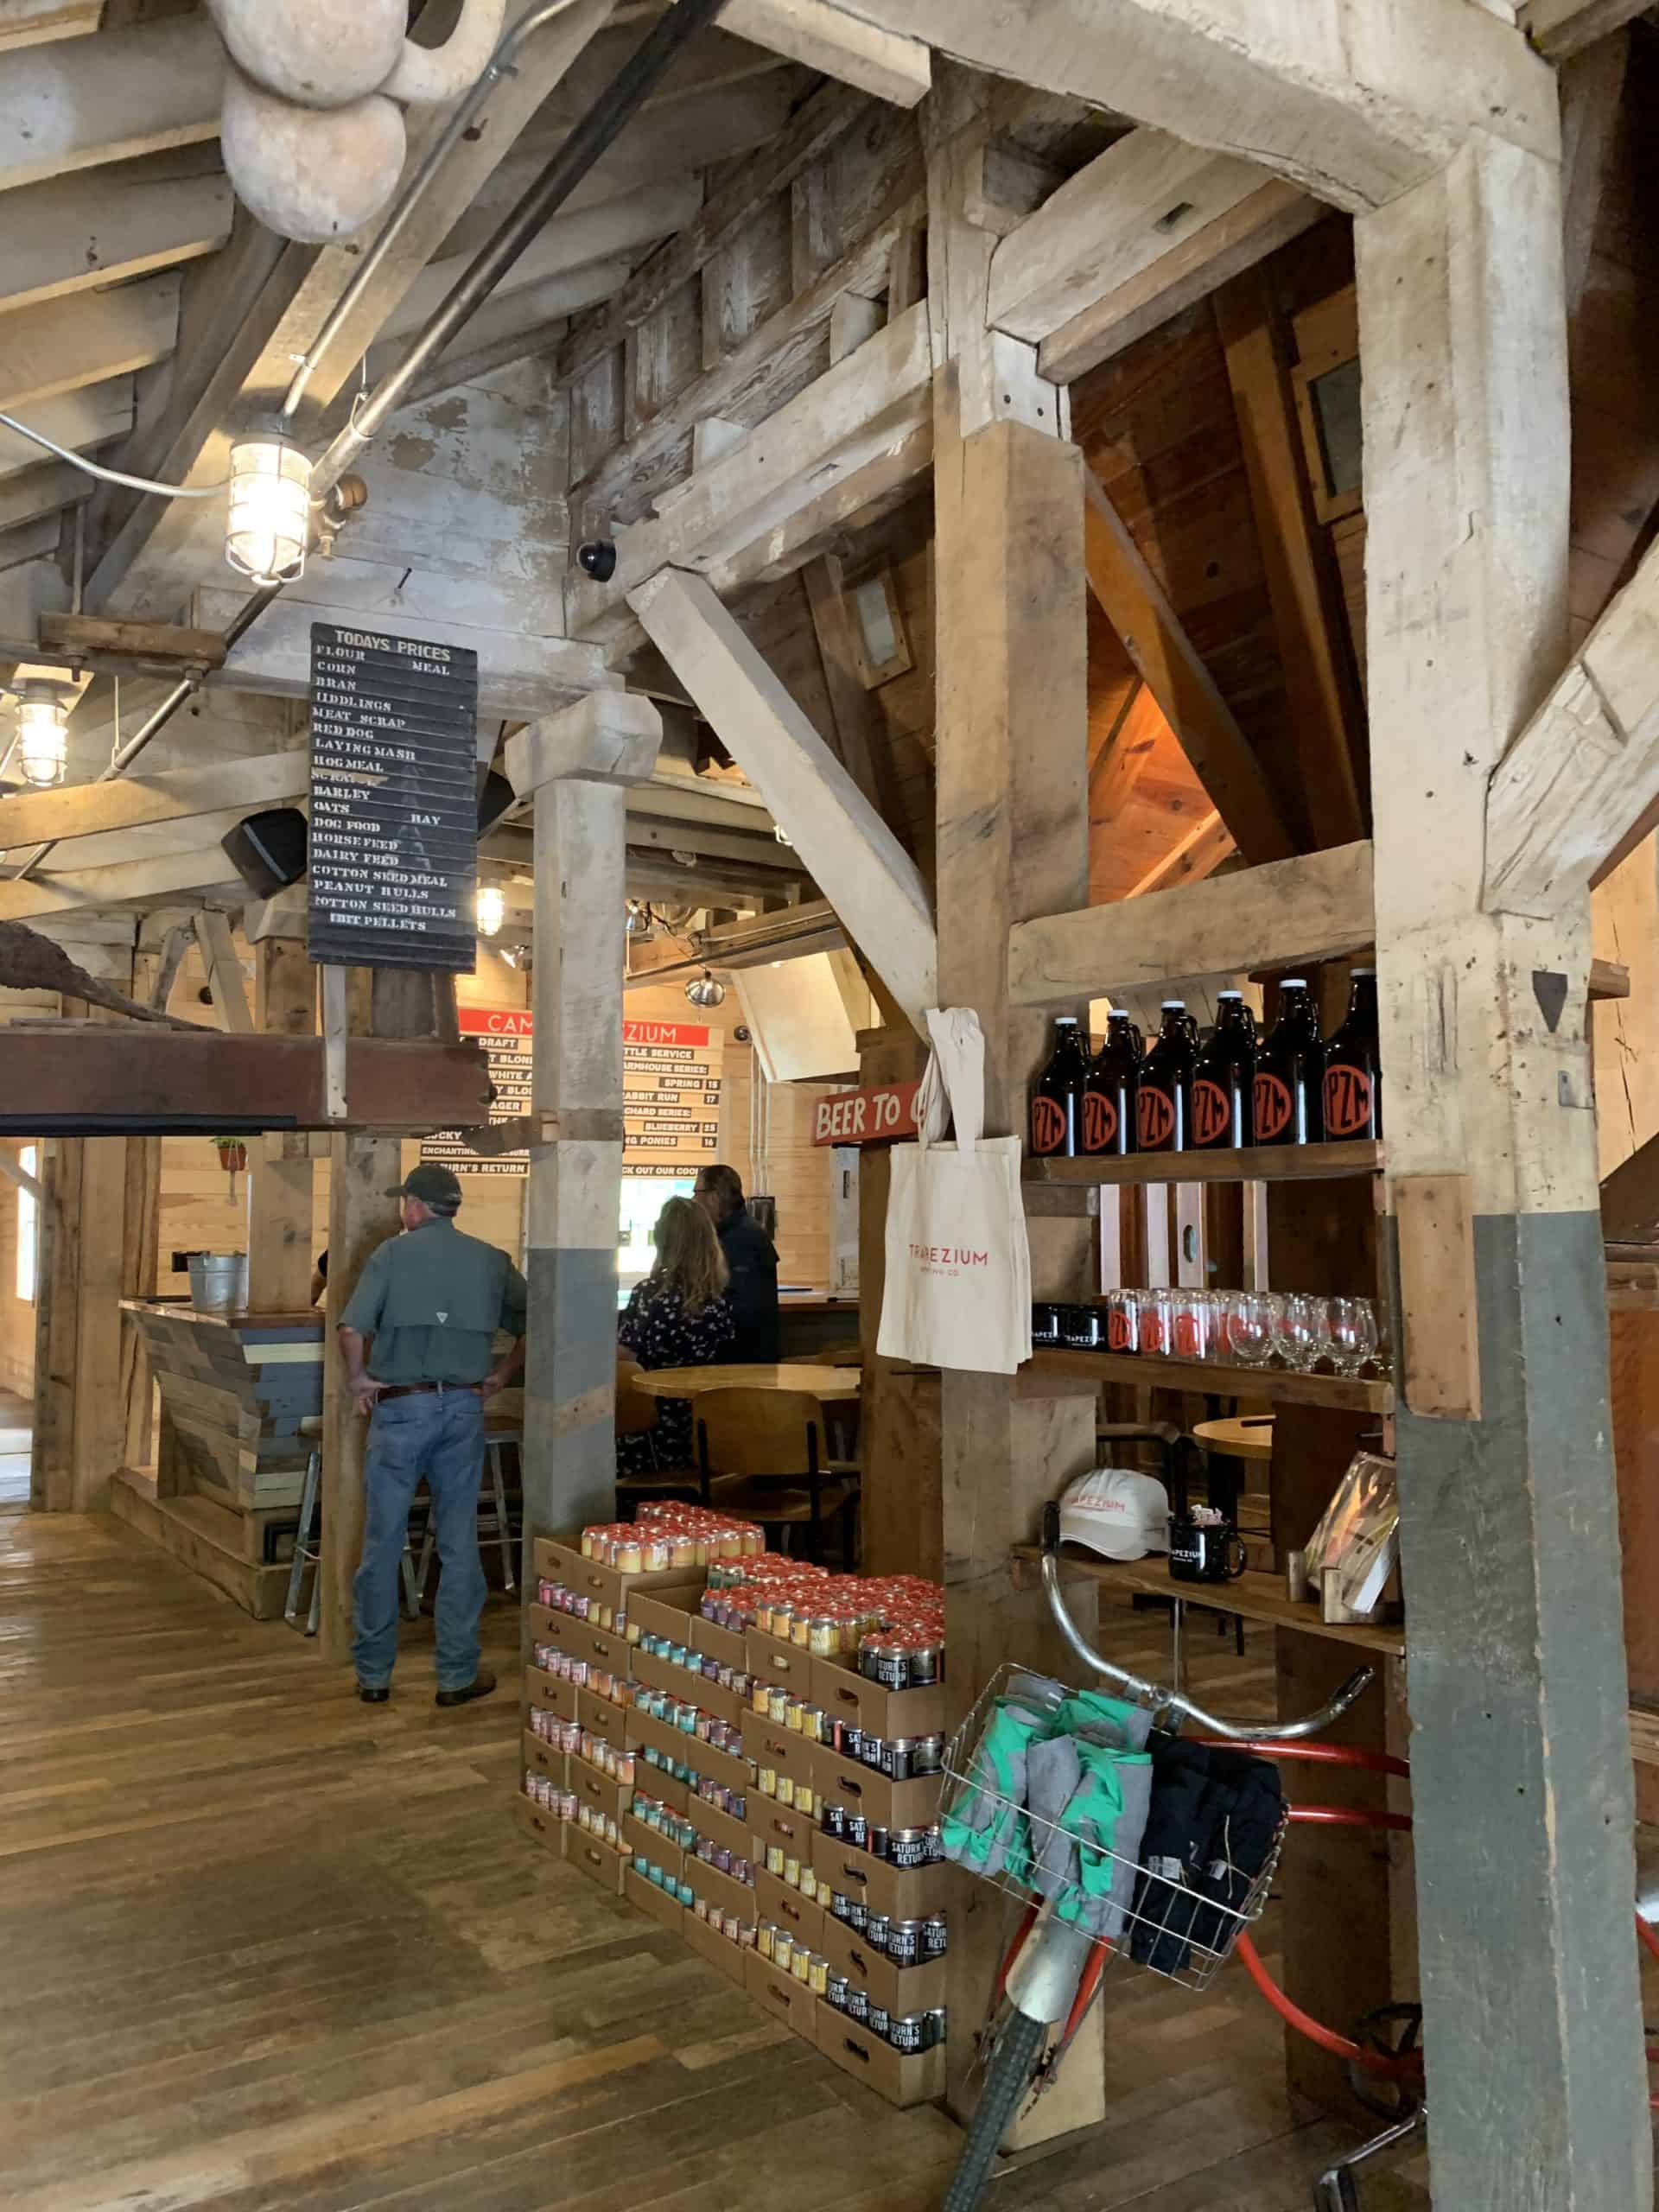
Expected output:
{"points": [[1301, 1334], [1251, 1327], [1353, 1333]]}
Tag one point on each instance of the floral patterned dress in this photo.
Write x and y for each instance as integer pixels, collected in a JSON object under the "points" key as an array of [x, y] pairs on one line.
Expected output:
{"points": [[659, 1332]]}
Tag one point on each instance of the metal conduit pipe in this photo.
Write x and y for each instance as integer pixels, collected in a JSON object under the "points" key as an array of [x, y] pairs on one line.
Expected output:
{"points": [[502, 63], [616, 105], [185, 689]]}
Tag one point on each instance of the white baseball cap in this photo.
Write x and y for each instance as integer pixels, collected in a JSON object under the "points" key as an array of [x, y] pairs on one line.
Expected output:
{"points": [[1117, 1513]]}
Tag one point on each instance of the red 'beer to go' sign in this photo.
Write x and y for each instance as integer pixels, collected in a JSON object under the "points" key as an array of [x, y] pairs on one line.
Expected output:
{"points": [[885, 1115]]}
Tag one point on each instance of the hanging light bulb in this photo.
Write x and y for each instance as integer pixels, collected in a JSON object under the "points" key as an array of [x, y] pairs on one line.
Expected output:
{"points": [[703, 990], [270, 519], [639, 922], [42, 736], [492, 910]]}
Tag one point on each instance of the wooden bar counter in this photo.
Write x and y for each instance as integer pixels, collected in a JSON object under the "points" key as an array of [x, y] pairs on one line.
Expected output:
{"points": [[230, 1461]]}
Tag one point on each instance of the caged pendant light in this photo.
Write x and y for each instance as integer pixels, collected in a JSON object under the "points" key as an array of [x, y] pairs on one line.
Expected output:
{"points": [[268, 524]]}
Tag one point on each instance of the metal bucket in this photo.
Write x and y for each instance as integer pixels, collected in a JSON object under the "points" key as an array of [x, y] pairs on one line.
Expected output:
{"points": [[219, 1281]]}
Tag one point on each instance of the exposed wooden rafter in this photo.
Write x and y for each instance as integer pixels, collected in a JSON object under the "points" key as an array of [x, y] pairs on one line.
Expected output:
{"points": [[1140, 611], [1318, 906], [1356, 100], [1326, 714], [865, 410], [854, 858], [826, 119], [1587, 765]]}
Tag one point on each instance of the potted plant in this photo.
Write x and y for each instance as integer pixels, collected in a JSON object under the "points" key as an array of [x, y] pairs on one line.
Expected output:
{"points": [[232, 1154]]}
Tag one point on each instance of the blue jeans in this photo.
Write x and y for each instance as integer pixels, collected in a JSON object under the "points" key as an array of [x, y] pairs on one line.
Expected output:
{"points": [[439, 1434]]}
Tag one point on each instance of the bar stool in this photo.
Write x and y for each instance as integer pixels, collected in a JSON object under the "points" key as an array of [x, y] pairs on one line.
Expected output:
{"points": [[308, 1544], [493, 1516]]}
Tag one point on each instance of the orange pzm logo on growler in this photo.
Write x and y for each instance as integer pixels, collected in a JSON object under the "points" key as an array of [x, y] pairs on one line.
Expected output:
{"points": [[1212, 1113], [1155, 1117], [1100, 1122], [1048, 1129], [1353, 1090], [1274, 1108], [1057, 1098], [1166, 1089]]}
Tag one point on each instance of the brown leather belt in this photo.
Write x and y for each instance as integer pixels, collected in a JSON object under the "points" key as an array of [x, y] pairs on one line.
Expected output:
{"points": [[414, 1390]]}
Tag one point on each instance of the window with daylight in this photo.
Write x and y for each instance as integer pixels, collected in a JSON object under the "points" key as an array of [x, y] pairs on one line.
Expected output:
{"points": [[28, 1226]]}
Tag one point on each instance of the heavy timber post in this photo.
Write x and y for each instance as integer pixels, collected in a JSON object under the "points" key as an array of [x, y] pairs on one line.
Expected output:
{"points": [[578, 763], [1013, 841], [1520, 1748]]}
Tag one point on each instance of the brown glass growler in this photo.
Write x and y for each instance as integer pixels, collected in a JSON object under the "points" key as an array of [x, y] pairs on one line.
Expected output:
{"points": [[1113, 1080], [1163, 1102], [1290, 1071], [1353, 1080], [1223, 1079], [1057, 1098]]}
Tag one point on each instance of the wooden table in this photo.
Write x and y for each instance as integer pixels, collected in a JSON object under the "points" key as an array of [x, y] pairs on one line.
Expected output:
{"points": [[833, 1385]]}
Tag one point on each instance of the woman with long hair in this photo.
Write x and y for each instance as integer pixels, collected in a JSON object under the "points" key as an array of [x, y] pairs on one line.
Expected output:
{"points": [[677, 1317]]}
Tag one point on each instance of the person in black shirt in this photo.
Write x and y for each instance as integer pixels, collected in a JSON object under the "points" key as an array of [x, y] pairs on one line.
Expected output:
{"points": [[751, 1263]]}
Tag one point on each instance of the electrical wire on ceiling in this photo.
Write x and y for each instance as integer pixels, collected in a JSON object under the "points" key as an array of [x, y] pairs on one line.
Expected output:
{"points": [[115, 475]]}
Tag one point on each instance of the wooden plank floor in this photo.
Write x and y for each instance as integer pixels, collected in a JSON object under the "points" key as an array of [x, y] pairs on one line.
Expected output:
{"points": [[265, 1947]]}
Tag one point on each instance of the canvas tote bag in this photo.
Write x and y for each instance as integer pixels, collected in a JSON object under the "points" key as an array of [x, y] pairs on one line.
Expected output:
{"points": [[958, 1287]]}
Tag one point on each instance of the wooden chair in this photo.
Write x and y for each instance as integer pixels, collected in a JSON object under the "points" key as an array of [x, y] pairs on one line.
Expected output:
{"points": [[636, 1415], [765, 1455]]}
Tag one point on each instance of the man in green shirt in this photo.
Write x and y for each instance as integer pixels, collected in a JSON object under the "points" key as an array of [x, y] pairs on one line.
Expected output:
{"points": [[432, 1301]]}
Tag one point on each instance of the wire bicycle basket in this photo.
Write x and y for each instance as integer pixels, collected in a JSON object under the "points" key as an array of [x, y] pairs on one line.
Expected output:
{"points": [[1153, 1913]]}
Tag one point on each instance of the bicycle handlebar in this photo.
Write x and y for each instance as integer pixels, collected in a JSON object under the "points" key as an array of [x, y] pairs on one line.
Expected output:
{"points": [[1161, 1700]]}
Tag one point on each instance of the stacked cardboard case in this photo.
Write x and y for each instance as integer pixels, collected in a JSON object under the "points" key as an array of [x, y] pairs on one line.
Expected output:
{"points": [[648, 1766]]}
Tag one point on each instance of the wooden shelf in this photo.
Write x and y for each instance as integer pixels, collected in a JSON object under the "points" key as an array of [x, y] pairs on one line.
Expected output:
{"points": [[1349, 1393], [1255, 1597], [1303, 1163]]}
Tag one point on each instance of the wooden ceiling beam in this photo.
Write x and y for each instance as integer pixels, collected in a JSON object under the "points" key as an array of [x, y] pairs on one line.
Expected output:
{"points": [[1126, 209], [1200, 259], [1139, 610], [1561, 28], [613, 231], [1586, 768], [1592, 90], [1199, 853], [1317, 907], [1356, 100], [740, 387], [33, 23], [853, 855], [83, 420], [101, 1080], [86, 339], [82, 103], [885, 61], [80, 233], [825, 119], [861, 411], [73, 810], [1325, 710], [1128, 750]]}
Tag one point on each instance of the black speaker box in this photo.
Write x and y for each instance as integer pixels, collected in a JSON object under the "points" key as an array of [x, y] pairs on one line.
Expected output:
{"points": [[269, 849]]}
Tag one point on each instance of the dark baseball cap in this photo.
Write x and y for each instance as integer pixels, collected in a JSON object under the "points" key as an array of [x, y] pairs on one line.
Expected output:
{"points": [[432, 1185]]}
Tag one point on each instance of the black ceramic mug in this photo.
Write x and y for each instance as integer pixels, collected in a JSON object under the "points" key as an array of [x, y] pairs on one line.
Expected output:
{"points": [[1204, 1553]]}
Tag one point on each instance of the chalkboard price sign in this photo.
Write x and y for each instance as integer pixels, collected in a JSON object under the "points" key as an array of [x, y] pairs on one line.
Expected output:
{"points": [[394, 801]]}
